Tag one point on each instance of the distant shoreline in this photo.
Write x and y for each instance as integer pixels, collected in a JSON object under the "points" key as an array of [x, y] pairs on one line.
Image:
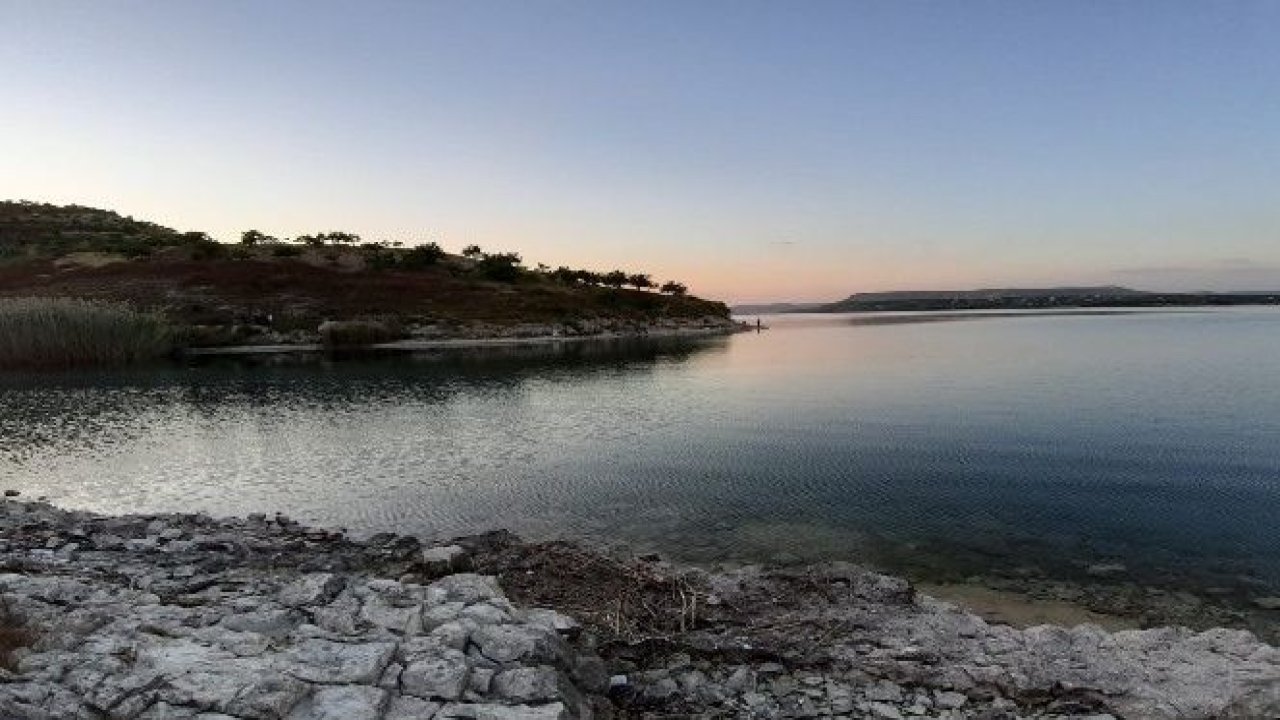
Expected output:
{"points": [[975, 300]]}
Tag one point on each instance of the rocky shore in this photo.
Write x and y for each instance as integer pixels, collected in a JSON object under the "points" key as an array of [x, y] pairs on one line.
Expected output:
{"points": [[262, 339], [156, 617]]}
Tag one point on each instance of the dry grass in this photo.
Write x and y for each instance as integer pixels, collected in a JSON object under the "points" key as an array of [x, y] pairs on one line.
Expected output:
{"points": [[64, 332], [627, 601]]}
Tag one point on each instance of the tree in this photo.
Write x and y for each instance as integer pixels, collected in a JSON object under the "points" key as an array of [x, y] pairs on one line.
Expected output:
{"points": [[565, 276], [640, 281], [416, 258], [502, 267], [615, 279], [472, 251], [343, 238], [672, 287], [252, 237]]}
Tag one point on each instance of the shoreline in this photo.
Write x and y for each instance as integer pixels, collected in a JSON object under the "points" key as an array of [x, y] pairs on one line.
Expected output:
{"points": [[415, 345], [169, 616]]}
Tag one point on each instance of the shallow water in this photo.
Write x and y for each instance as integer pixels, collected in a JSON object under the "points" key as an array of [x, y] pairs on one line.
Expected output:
{"points": [[937, 444]]}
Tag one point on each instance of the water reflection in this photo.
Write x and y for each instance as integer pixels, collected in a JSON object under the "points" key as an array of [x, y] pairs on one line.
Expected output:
{"points": [[1049, 441]]}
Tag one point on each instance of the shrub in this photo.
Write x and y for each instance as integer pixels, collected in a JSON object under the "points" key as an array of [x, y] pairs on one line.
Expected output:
{"points": [[63, 332], [286, 251], [501, 267], [422, 256], [210, 251]]}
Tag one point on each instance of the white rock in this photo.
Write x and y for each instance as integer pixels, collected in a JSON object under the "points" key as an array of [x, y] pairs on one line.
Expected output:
{"points": [[441, 678], [342, 702]]}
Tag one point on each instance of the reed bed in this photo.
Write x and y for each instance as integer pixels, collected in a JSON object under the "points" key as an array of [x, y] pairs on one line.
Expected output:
{"points": [[64, 332]]}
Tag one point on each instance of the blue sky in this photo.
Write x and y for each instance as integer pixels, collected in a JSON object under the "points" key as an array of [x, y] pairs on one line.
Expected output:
{"points": [[757, 151]]}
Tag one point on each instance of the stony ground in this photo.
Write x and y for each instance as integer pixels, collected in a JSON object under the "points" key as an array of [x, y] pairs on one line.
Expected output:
{"points": [[260, 618]]}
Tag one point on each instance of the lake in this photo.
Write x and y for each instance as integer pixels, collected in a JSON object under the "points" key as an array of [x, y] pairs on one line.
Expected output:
{"points": [[1141, 445]]}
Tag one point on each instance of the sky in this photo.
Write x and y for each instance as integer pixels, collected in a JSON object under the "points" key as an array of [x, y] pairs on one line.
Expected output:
{"points": [[758, 151]]}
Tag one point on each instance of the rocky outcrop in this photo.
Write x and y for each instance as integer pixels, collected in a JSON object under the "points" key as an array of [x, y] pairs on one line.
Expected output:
{"points": [[846, 640], [189, 617], [168, 618]]}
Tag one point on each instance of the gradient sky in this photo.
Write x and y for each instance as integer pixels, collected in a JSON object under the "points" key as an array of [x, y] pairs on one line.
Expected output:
{"points": [[757, 151]]}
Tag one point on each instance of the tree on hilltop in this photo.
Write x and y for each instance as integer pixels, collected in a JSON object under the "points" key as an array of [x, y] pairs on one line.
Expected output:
{"points": [[640, 281]]}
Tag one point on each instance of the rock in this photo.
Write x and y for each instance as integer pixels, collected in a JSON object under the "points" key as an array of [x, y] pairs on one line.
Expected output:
{"points": [[444, 559], [407, 707], [529, 684], [661, 690], [324, 661], [885, 711], [343, 702], [267, 697], [273, 623], [552, 711], [437, 615], [512, 643], [466, 588], [1268, 603], [552, 620], [377, 612], [742, 680], [440, 678], [11, 493], [309, 590], [948, 700]]}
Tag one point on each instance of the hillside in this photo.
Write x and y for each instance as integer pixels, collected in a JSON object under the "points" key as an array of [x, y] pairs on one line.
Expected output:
{"points": [[282, 286]]}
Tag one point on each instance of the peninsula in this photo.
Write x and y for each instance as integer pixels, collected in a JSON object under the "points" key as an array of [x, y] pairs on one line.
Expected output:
{"points": [[331, 288]]}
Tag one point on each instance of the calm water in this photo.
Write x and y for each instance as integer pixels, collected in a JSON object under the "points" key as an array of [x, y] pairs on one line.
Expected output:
{"points": [[1149, 439]]}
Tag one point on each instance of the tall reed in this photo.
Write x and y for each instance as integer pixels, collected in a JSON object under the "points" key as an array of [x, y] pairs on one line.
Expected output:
{"points": [[64, 332]]}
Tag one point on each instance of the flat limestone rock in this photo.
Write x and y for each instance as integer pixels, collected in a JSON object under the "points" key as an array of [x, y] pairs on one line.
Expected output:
{"points": [[343, 702]]}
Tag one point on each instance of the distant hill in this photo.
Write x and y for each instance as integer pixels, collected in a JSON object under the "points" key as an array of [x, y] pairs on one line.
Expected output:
{"points": [[995, 294], [1032, 298], [773, 308], [75, 251], [39, 230]]}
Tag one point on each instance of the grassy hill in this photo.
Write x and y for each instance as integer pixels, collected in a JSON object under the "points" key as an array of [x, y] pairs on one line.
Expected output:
{"points": [[88, 253]]}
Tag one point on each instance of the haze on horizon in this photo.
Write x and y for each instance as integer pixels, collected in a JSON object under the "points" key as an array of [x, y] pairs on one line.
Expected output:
{"points": [[756, 151]]}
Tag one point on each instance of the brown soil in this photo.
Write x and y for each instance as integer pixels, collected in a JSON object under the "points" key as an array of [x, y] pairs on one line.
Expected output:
{"points": [[299, 291]]}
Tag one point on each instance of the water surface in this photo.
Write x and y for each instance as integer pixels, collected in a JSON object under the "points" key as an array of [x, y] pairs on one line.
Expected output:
{"points": [[1053, 440]]}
